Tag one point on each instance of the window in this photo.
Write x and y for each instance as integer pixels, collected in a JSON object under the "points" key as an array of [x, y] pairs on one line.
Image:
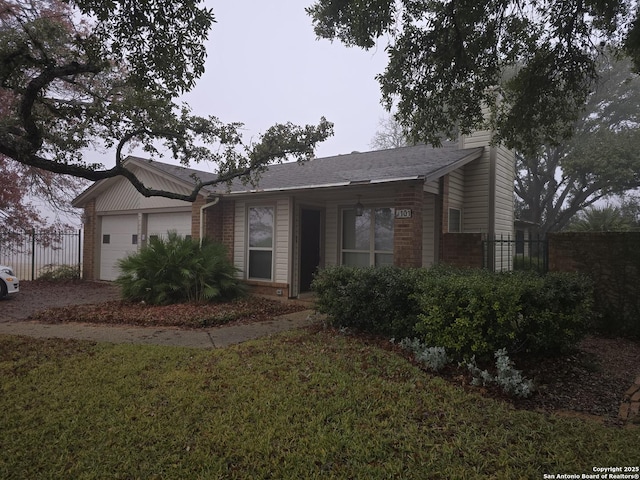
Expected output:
{"points": [[367, 239], [261, 242], [455, 220], [134, 239], [106, 239]]}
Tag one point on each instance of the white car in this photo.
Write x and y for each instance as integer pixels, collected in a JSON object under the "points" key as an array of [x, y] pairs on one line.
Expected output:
{"points": [[9, 283]]}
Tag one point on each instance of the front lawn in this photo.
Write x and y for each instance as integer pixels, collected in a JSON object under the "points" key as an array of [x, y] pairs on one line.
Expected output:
{"points": [[305, 404]]}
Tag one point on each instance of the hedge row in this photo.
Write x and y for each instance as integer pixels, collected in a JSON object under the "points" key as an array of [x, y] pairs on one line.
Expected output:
{"points": [[469, 312]]}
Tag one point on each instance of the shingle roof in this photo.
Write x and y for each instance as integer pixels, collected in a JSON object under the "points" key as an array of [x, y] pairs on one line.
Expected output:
{"points": [[415, 162], [419, 161]]}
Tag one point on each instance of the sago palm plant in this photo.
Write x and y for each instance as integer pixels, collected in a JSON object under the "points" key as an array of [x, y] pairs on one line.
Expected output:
{"points": [[177, 269]]}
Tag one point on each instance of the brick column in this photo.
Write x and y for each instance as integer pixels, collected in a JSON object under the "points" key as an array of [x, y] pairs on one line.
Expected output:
{"points": [[219, 224], [407, 232], [228, 225], [90, 252], [444, 192]]}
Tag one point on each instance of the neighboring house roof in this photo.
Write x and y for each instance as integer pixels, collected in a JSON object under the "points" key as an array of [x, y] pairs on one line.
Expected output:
{"points": [[381, 166]]}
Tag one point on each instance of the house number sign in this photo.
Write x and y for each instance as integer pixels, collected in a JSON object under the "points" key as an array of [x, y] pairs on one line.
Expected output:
{"points": [[403, 213]]}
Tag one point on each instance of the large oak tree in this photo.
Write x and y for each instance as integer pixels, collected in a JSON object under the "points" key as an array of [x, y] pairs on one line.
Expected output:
{"points": [[82, 75], [448, 58], [601, 159]]}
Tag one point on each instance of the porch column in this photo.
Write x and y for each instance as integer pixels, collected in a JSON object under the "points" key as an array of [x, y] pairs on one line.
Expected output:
{"points": [[407, 227]]}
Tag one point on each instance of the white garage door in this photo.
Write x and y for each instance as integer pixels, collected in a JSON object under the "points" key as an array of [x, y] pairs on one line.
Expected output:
{"points": [[160, 223], [119, 237]]}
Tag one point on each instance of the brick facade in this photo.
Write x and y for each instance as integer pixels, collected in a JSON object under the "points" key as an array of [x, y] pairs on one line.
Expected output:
{"points": [[89, 253], [462, 250], [220, 224], [407, 232], [565, 251], [612, 261], [195, 216]]}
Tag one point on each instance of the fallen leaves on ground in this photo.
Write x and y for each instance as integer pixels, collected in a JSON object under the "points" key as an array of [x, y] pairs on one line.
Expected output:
{"points": [[185, 315]]}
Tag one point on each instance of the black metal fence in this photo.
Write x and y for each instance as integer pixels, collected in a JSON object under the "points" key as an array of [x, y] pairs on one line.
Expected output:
{"points": [[516, 253], [32, 252]]}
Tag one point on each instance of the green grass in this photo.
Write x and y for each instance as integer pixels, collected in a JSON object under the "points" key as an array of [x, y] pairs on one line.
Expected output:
{"points": [[299, 405]]}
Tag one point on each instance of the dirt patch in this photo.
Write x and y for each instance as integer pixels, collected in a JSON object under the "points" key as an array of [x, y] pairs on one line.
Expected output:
{"points": [[38, 295], [592, 380]]}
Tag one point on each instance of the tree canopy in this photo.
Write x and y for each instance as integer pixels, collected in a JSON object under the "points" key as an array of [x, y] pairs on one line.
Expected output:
{"points": [[82, 75], [601, 160], [533, 62], [388, 135], [22, 185]]}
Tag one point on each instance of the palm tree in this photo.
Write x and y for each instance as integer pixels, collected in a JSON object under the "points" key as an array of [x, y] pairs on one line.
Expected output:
{"points": [[601, 219]]}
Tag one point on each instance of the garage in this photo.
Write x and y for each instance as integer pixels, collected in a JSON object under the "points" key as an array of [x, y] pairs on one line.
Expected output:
{"points": [[160, 223], [119, 237], [119, 220]]}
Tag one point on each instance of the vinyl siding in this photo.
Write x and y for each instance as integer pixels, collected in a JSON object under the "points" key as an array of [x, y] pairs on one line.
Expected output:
{"points": [[505, 171], [429, 230], [122, 196], [239, 240], [332, 240], [476, 198], [480, 138], [456, 188], [282, 239]]}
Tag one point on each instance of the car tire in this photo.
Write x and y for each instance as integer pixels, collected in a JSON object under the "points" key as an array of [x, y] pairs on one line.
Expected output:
{"points": [[3, 289]]}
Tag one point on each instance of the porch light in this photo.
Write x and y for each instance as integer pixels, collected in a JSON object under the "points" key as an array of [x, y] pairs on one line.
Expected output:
{"points": [[359, 208]]}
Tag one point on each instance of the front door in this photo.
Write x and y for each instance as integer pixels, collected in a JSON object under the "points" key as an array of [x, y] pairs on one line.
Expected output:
{"points": [[309, 246]]}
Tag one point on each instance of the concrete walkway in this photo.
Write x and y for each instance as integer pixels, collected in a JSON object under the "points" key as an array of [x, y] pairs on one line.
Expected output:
{"points": [[215, 337]]}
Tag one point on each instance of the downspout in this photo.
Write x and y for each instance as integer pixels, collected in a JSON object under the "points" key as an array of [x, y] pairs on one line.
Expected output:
{"points": [[206, 205]]}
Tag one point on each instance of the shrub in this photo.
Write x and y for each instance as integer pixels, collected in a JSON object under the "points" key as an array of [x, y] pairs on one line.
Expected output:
{"points": [[557, 314], [178, 269], [475, 313], [468, 312], [56, 273], [434, 358], [376, 299], [507, 377]]}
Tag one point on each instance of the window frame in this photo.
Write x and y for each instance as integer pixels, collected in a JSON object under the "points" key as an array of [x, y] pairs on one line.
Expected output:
{"points": [[372, 251], [250, 248], [458, 228]]}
